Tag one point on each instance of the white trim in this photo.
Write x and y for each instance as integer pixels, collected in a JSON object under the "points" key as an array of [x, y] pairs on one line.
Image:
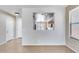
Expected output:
{"points": [[69, 22], [3, 43], [74, 9], [9, 39], [72, 49], [41, 44]]}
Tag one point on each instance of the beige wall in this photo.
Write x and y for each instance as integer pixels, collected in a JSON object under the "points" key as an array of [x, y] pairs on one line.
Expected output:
{"points": [[71, 43]]}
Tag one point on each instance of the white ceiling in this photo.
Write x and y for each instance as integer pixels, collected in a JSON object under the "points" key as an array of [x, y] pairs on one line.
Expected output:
{"points": [[30, 6], [17, 8]]}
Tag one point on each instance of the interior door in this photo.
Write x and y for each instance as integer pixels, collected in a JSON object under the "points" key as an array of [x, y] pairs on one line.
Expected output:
{"points": [[9, 29]]}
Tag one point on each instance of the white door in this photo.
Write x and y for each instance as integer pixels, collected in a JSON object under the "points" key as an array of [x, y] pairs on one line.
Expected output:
{"points": [[18, 27], [9, 29]]}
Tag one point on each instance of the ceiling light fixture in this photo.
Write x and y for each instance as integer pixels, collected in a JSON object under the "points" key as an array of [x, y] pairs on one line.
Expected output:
{"points": [[17, 13]]}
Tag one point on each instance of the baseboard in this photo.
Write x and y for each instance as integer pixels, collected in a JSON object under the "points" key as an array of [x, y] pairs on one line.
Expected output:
{"points": [[9, 40], [43, 44], [72, 49], [3, 43]]}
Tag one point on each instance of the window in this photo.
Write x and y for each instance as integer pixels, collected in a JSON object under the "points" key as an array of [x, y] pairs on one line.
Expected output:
{"points": [[74, 23]]}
